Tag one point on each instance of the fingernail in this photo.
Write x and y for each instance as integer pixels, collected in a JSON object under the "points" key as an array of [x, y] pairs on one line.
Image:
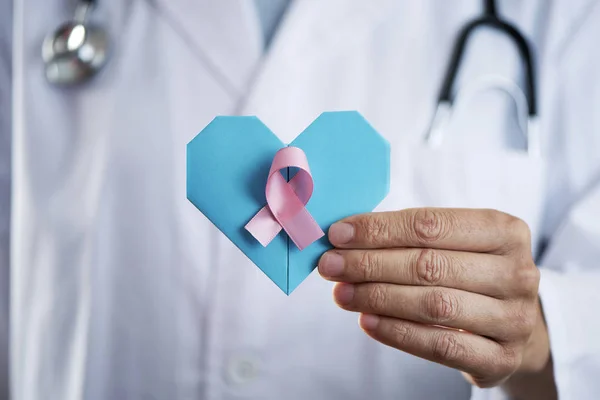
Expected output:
{"points": [[331, 264], [344, 293], [368, 321], [340, 233]]}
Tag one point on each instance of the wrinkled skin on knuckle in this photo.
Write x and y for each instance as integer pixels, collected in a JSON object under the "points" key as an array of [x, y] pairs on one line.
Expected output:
{"points": [[523, 318], [516, 230], [377, 298], [440, 306], [401, 334], [431, 266], [519, 318], [447, 347], [377, 228], [369, 265], [529, 279], [505, 363], [498, 367], [431, 225], [524, 277]]}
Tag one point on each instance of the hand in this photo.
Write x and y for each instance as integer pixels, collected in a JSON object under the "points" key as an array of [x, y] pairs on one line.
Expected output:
{"points": [[454, 286]]}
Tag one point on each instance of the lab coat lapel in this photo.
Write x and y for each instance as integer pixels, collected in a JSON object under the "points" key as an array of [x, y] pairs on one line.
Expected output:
{"points": [[223, 34], [309, 36]]}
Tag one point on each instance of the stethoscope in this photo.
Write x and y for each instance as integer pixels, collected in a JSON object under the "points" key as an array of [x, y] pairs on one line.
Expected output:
{"points": [[78, 50], [525, 101]]}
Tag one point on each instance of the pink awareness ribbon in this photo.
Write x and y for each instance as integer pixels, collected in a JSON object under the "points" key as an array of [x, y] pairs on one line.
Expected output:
{"points": [[286, 202]]}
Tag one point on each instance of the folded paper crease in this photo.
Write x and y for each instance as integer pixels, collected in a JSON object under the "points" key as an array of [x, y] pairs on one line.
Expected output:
{"points": [[230, 163]]}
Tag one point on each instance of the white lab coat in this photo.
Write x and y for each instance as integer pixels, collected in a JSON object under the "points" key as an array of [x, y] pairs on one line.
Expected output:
{"points": [[121, 289]]}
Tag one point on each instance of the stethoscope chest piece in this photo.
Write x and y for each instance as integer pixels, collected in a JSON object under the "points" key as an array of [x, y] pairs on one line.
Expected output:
{"points": [[76, 51]]}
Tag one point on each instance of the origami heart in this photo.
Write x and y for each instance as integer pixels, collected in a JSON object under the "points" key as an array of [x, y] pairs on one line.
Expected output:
{"points": [[228, 164]]}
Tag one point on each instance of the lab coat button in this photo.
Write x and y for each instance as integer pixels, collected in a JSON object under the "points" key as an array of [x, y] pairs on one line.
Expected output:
{"points": [[242, 370]]}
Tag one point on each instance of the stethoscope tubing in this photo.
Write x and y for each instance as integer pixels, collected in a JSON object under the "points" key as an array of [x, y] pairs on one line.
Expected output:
{"points": [[446, 97], [458, 51]]}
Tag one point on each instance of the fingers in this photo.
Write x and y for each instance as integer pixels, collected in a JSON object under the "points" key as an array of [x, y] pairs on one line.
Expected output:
{"points": [[472, 354], [452, 308], [475, 272], [486, 231], [454, 286]]}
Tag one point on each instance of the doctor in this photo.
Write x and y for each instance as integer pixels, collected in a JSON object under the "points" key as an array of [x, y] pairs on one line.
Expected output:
{"points": [[120, 289]]}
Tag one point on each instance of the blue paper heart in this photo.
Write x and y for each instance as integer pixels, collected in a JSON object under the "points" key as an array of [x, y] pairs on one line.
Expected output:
{"points": [[227, 168]]}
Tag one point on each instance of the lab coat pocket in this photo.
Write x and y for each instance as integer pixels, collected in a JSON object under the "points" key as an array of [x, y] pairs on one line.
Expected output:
{"points": [[506, 180]]}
